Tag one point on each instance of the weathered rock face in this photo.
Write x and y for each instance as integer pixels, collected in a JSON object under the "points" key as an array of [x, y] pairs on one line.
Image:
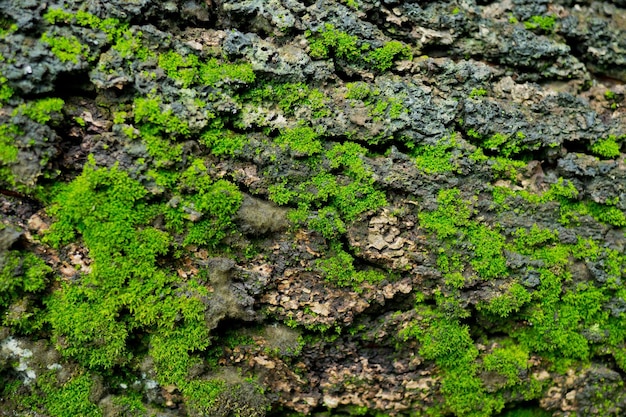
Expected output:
{"points": [[283, 207]]}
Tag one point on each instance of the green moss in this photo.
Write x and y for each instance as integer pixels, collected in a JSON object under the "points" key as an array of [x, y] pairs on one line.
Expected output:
{"points": [[511, 361], [8, 150], [21, 274], [545, 23], [289, 97], [68, 400], [302, 140], [332, 42], [153, 111], [6, 92], [182, 69], [40, 110], [213, 72], [607, 147], [510, 302], [92, 318], [451, 213], [438, 158], [339, 269], [201, 395], [383, 58], [67, 49], [506, 168], [223, 142], [360, 91], [164, 152], [477, 92], [487, 244]]}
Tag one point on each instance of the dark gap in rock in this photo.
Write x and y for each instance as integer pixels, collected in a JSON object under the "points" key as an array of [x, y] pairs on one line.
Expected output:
{"points": [[78, 84], [575, 146]]}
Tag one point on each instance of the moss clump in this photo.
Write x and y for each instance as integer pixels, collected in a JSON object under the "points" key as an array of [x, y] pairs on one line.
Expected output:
{"points": [[289, 98], [127, 291], [328, 199], [544, 23], [67, 49], [383, 58], [339, 269], [607, 147], [436, 159], [41, 110], [477, 92], [22, 275], [69, 399], [301, 140], [330, 42]]}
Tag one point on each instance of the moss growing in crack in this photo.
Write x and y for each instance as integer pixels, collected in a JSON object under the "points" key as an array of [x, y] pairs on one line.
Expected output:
{"points": [[289, 97], [607, 147], [510, 302], [328, 200], [339, 269], [182, 69], [6, 92], [477, 92], [511, 361], [449, 344], [223, 142]]}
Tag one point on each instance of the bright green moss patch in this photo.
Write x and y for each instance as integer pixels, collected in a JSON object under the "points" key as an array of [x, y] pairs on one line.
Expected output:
{"points": [[223, 142], [477, 92], [40, 110], [289, 97], [451, 213], [438, 158], [449, 344], [152, 110], [201, 395], [332, 42], [302, 140], [327, 200], [67, 49], [183, 69], [69, 400], [339, 269], [545, 23], [383, 58], [127, 291], [607, 147], [507, 303], [22, 274], [212, 72], [8, 150]]}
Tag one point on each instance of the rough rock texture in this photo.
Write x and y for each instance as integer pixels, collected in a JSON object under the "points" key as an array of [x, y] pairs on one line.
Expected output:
{"points": [[289, 207]]}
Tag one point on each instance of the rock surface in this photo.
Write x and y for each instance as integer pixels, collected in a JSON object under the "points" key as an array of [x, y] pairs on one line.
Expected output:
{"points": [[326, 208]]}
